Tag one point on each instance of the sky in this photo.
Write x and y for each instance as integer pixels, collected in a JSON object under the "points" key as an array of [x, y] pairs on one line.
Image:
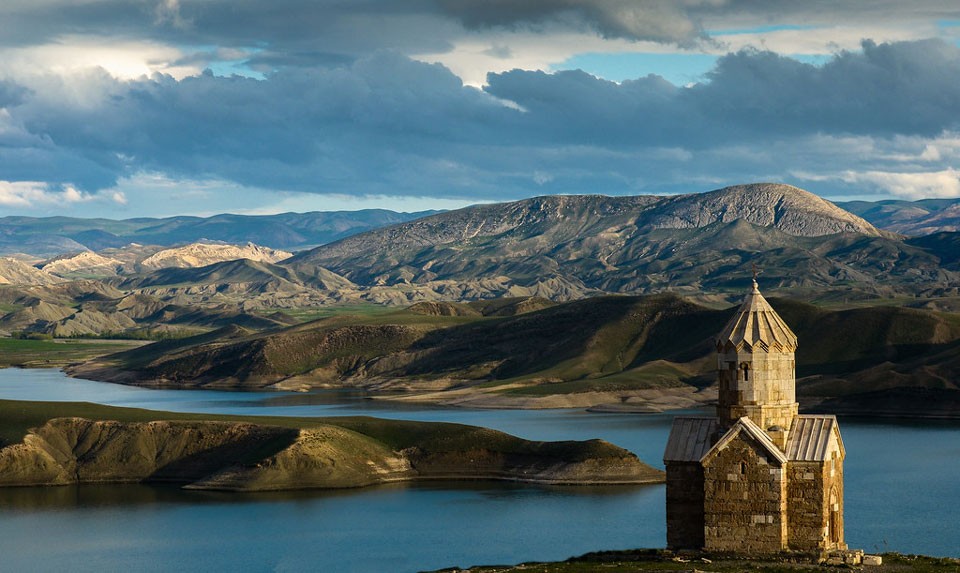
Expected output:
{"points": [[133, 108]]}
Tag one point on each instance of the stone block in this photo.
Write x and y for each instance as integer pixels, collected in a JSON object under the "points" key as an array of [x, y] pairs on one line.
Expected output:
{"points": [[872, 560]]}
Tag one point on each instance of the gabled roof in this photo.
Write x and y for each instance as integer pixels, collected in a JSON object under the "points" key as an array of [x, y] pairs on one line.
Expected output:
{"points": [[689, 439], [758, 327], [809, 439], [746, 426]]}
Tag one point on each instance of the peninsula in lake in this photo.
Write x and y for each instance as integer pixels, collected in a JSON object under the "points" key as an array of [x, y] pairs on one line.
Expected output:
{"points": [[46, 443]]}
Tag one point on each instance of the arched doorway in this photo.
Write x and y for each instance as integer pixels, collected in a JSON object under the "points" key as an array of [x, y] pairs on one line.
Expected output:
{"points": [[835, 523]]}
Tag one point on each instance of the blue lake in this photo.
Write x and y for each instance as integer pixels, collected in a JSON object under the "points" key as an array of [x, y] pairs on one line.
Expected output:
{"points": [[901, 488]]}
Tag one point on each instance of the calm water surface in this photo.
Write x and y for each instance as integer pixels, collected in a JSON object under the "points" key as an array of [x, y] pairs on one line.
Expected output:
{"points": [[899, 480]]}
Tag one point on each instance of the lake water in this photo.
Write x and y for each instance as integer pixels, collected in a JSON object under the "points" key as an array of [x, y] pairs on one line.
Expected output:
{"points": [[902, 488]]}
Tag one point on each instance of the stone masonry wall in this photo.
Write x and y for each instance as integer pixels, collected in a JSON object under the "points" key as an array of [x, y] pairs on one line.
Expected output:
{"points": [[810, 507], [759, 385], [833, 506], [806, 526], [745, 500], [684, 505]]}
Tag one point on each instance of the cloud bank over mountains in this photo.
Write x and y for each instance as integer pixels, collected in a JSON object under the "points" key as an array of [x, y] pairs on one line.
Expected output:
{"points": [[334, 98]]}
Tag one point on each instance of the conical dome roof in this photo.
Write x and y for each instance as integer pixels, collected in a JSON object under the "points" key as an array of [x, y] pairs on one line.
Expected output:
{"points": [[757, 326]]}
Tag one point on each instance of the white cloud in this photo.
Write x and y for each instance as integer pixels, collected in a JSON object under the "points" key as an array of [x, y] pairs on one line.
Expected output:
{"points": [[823, 40], [920, 185], [475, 55], [37, 194], [21, 193], [71, 55]]}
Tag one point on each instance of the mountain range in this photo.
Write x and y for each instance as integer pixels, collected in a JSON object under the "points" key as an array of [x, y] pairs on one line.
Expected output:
{"points": [[567, 247], [559, 248], [506, 306], [51, 236], [42, 238], [913, 218]]}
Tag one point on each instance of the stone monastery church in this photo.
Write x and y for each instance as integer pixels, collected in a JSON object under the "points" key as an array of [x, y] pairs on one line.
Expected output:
{"points": [[758, 477]]}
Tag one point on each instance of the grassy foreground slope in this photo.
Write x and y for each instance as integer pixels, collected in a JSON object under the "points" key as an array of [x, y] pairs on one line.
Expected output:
{"points": [[57, 443], [599, 350], [663, 561]]}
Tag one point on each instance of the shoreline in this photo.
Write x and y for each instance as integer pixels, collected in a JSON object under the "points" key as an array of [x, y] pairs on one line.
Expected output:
{"points": [[653, 401]]}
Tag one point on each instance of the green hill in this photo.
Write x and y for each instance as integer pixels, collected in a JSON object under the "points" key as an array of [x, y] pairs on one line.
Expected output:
{"points": [[608, 344]]}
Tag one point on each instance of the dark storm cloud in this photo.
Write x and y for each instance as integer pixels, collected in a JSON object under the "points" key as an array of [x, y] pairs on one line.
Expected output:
{"points": [[658, 20], [358, 26], [297, 27], [300, 28], [905, 88], [388, 124], [297, 129], [830, 12], [11, 93]]}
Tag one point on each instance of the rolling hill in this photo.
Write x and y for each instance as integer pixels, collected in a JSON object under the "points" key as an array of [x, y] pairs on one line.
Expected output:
{"points": [[602, 350], [915, 218]]}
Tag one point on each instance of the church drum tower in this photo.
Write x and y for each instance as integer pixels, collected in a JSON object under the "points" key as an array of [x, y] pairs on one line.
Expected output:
{"points": [[757, 478]]}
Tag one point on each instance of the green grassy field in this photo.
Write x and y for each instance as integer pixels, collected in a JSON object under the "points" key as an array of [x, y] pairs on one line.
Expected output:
{"points": [[648, 376], [17, 417], [53, 353], [307, 314]]}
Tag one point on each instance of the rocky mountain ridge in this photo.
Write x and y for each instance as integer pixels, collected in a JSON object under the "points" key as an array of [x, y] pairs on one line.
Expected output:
{"points": [[17, 272], [203, 254], [135, 259], [561, 218], [788, 209], [566, 247], [84, 263]]}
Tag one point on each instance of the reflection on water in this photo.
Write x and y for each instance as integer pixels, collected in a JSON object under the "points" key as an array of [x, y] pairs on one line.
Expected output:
{"points": [[400, 527], [93, 496], [899, 477]]}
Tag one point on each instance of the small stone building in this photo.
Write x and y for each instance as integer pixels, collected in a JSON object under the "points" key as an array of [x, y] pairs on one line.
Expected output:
{"points": [[757, 478]]}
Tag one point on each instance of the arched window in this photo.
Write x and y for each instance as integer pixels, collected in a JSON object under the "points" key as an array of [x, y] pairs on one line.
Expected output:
{"points": [[746, 371], [743, 468]]}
